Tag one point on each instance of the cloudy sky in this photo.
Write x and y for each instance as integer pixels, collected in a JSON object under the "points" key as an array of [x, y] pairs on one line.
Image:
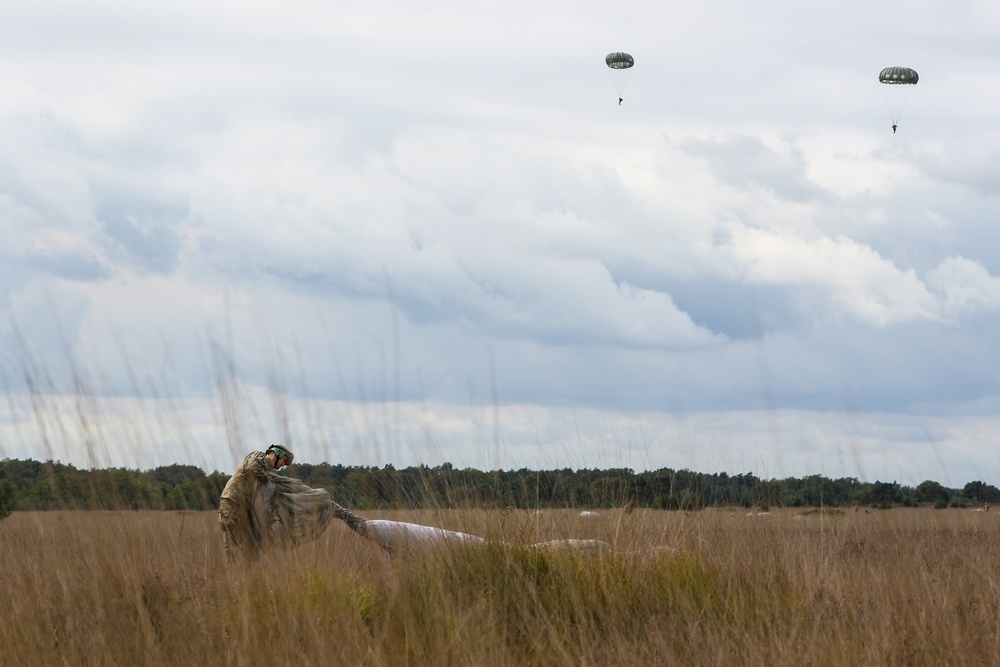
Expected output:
{"points": [[395, 232]]}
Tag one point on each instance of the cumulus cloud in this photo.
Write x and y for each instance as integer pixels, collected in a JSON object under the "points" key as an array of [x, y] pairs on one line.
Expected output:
{"points": [[743, 161], [964, 287], [443, 200], [859, 282]]}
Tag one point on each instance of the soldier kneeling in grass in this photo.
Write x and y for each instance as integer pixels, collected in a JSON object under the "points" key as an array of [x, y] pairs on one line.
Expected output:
{"points": [[260, 507]]}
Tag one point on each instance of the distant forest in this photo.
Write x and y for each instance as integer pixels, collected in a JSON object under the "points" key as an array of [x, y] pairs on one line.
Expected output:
{"points": [[27, 485]]}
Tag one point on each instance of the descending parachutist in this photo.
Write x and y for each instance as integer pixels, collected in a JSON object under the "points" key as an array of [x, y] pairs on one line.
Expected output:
{"points": [[619, 63], [897, 82]]}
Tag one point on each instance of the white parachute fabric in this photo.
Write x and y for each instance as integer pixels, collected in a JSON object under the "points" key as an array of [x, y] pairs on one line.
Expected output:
{"points": [[575, 545], [395, 535]]}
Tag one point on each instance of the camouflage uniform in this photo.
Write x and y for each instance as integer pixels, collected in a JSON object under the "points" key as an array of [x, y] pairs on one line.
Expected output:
{"points": [[241, 509]]}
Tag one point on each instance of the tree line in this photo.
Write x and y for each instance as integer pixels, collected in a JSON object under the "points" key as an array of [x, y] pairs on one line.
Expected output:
{"points": [[27, 485]]}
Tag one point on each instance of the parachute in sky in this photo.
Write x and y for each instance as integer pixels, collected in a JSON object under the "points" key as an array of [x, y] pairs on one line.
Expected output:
{"points": [[897, 84], [620, 63]]}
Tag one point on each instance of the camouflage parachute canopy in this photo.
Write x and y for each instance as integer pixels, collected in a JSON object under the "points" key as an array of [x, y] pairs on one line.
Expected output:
{"points": [[619, 60], [898, 75]]}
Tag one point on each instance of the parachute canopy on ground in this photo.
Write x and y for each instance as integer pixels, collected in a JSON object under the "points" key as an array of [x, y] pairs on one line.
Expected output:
{"points": [[896, 75]]}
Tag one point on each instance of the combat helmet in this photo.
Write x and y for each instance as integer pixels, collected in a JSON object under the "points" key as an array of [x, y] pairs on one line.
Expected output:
{"points": [[279, 451]]}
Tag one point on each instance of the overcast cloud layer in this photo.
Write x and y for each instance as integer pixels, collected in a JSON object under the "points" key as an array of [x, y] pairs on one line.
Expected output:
{"points": [[402, 232]]}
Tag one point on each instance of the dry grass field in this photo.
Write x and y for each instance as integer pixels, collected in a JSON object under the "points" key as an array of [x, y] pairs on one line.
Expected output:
{"points": [[896, 587]]}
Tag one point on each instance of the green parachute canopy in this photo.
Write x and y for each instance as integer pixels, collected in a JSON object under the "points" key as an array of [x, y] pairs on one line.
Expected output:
{"points": [[895, 76], [619, 60]]}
